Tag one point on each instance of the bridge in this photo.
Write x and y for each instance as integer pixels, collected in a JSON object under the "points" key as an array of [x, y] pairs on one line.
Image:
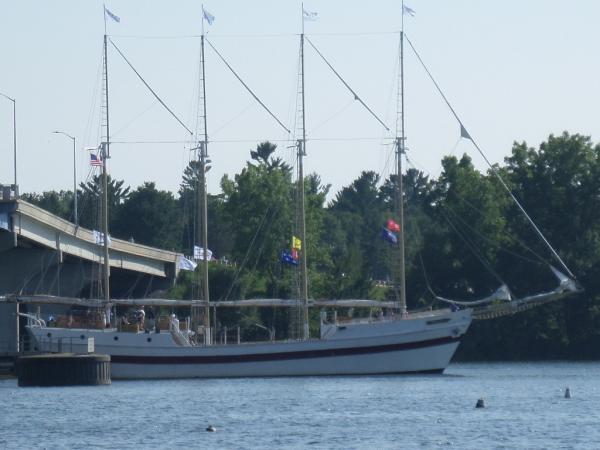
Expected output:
{"points": [[41, 253]]}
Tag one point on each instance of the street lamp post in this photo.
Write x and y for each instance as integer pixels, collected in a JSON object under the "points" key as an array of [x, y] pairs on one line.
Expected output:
{"points": [[14, 134], [74, 176]]}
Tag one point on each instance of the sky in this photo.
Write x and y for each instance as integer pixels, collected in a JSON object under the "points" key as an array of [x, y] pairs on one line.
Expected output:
{"points": [[512, 70]]}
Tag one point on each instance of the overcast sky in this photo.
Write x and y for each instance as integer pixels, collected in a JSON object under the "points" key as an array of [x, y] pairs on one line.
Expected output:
{"points": [[513, 71]]}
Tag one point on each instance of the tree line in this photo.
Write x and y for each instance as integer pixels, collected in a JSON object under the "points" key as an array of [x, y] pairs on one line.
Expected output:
{"points": [[464, 238]]}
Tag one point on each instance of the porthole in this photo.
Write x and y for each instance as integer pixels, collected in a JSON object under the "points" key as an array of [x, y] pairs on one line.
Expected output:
{"points": [[149, 339], [82, 337], [49, 335], [116, 338]]}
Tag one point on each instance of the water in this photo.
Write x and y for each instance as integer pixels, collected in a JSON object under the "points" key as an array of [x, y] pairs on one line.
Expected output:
{"points": [[525, 408]]}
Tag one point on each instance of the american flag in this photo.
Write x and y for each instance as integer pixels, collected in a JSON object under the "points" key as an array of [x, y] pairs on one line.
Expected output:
{"points": [[95, 160]]}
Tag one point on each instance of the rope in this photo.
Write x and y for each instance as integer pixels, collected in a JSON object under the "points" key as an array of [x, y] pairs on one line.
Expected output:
{"points": [[490, 241], [149, 88], [473, 249], [476, 210], [247, 88], [237, 274], [356, 97], [465, 133]]}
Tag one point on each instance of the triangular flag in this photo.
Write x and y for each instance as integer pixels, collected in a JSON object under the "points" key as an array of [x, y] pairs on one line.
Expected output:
{"points": [[464, 133], [111, 15], [407, 10]]}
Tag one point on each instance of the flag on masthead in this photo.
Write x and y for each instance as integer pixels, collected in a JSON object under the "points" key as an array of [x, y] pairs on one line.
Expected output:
{"points": [[208, 16], [111, 15], [309, 16], [408, 11]]}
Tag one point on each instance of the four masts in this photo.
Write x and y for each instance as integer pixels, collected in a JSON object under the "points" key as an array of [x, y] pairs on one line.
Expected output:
{"points": [[202, 230]]}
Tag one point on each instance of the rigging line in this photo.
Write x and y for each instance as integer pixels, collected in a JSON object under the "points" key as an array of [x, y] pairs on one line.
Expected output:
{"points": [[482, 259], [246, 140], [132, 287], [492, 242], [356, 97], [240, 267], [362, 33], [333, 116], [517, 240], [429, 288], [234, 118], [149, 88], [149, 286], [89, 123], [247, 88], [241, 35], [492, 167], [124, 127], [473, 208]]}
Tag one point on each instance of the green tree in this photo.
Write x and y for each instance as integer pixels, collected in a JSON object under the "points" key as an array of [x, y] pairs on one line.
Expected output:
{"points": [[257, 206], [219, 231], [90, 201], [357, 247], [461, 250], [150, 217], [59, 203]]}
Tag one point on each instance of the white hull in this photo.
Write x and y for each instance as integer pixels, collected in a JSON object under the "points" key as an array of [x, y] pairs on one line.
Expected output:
{"points": [[422, 344]]}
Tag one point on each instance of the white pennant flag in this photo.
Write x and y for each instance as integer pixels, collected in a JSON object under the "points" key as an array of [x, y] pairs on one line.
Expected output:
{"points": [[111, 15], [208, 16], [408, 11], [309, 16]]}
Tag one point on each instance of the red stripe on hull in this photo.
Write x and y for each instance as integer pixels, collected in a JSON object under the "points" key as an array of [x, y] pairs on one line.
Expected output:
{"points": [[278, 356]]}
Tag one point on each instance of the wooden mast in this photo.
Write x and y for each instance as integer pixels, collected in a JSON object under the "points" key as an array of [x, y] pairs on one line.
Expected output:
{"points": [[400, 143], [302, 230], [203, 201], [105, 152]]}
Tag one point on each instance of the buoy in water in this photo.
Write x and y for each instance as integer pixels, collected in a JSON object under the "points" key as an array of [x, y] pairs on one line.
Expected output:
{"points": [[567, 393], [480, 403], [211, 429]]}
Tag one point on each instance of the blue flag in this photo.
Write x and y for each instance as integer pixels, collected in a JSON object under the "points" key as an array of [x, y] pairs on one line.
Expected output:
{"points": [[387, 235], [287, 258]]}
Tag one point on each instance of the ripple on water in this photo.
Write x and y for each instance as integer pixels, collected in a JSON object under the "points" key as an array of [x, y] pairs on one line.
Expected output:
{"points": [[525, 408]]}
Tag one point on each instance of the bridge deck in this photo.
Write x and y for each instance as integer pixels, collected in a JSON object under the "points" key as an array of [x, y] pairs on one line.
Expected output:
{"points": [[28, 221]]}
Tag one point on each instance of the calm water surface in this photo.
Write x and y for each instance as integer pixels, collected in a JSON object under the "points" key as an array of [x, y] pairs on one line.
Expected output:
{"points": [[526, 409]]}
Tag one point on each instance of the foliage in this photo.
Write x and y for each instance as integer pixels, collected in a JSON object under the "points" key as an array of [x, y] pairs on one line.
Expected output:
{"points": [[59, 203], [90, 201], [150, 217]]}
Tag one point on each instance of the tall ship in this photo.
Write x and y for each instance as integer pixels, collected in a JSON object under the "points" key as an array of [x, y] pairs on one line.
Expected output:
{"points": [[395, 341]]}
